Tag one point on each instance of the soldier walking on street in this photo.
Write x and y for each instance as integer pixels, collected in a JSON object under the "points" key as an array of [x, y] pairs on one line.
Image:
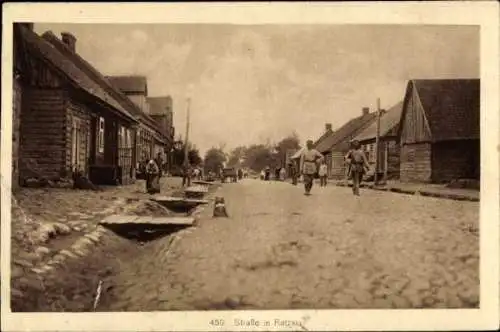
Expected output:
{"points": [[358, 164], [308, 165]]}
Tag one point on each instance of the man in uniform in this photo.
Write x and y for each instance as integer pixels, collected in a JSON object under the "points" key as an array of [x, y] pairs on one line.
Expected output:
{"points": [[308, 165], [358, 164]]}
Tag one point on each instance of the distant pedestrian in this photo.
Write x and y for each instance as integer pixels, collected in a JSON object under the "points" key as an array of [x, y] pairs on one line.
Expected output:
{"points": [[196, 173], [262, 175], [294, 173], [308, 165], [277, 174], [159, 163], [152, 177], [323, 172], [186, 175], [267, 173], [282, 174], [357, 165]]}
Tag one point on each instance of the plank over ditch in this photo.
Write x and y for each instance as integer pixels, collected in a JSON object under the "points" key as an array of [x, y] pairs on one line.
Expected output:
{"points": [[147, 220], [204, 183], [197, 189]]}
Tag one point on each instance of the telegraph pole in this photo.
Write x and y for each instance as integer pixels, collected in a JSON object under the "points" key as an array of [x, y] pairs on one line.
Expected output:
{"points": [[377, 138]]}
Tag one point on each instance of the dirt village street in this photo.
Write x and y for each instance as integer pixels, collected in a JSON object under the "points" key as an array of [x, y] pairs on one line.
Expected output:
{"points": [[278, 249]]}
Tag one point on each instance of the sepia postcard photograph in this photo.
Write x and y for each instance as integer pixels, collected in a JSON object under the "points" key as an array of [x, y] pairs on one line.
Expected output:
{"points": [[246, 166]]}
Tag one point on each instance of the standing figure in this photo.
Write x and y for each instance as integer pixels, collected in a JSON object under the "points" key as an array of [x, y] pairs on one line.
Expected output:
{"points": [[282, 174], [358, 165], [308, 163], [196, 173], [186, 175], [152, 177], [267, 173], [294, 172], [159, 163], [323, 172], [240, 174]]}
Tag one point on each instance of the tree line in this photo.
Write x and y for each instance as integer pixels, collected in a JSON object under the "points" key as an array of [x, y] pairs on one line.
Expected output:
{"points": [[255, 156]]}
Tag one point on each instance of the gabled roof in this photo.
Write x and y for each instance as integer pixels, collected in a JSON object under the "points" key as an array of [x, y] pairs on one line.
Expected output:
{"points": [[388, 121], [130, 84], [72, 72], [451, 107], [340, 138], [158, 105], [101, 81]]}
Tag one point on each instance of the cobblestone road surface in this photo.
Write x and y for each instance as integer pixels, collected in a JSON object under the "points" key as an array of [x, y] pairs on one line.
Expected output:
{"points": [[280, 249]]}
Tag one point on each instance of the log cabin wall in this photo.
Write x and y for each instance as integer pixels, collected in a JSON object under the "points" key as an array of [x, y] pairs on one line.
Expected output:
{"points": [[415, 157], [338, 170], [453, 160], [393, 159], [16, 115], [42, 131], [416, 162]]}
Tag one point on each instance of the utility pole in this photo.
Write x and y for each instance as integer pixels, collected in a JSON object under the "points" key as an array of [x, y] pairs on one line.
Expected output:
{"points": [[186, 149], [377, 138]]}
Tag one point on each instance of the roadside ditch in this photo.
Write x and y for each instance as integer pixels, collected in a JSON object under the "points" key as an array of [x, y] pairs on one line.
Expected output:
{"points": [[79, 278]]}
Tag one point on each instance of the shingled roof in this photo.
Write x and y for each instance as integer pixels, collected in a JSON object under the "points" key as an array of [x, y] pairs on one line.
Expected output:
{"points": [[340, 138], [451, 107], [388, 121], [48, 52], [130, 84], [102, 82]]}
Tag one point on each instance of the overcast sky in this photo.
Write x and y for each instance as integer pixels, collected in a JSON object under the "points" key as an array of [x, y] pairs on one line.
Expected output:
{"points": [[253, 83]]}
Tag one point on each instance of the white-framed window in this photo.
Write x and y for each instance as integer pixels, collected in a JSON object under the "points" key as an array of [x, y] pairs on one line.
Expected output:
{"points": [[100, 140]]}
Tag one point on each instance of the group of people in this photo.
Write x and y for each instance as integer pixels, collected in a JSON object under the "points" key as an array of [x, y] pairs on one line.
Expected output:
{"points": [[355, 159], [279, 174]]}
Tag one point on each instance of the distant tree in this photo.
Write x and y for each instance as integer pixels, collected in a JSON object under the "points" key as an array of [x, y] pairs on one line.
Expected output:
{"points": [[258, 156], [194, 157], [291, 142], [214, 160], [236, 155]]}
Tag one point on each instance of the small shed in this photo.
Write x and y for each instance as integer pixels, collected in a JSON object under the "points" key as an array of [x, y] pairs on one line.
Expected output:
{"points": [[439, 132]]}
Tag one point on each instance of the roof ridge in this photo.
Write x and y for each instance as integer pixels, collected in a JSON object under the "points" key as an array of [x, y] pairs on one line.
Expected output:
{"points": [[100, 77]]}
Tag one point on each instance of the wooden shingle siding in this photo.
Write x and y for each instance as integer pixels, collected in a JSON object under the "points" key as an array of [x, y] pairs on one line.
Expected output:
{"points": [[416, 162], [42, 130], [415, 127]]}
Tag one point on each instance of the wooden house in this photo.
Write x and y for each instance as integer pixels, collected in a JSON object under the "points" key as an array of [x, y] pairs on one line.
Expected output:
{"points": [[334, 145], [67, 120], [152, 135], [389, 150], [439, 130], [160, 109]]}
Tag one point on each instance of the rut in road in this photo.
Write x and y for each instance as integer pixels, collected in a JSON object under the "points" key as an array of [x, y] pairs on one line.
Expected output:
{"points": [[280, 249]]}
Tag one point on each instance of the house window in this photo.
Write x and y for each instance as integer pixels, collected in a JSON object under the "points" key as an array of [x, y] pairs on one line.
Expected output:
{"points": [[371, 153], [100, 141]]}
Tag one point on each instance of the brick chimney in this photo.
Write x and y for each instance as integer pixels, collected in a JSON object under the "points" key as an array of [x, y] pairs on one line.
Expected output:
{"points": [[69, 40], [328, 127], [365, 110]]}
